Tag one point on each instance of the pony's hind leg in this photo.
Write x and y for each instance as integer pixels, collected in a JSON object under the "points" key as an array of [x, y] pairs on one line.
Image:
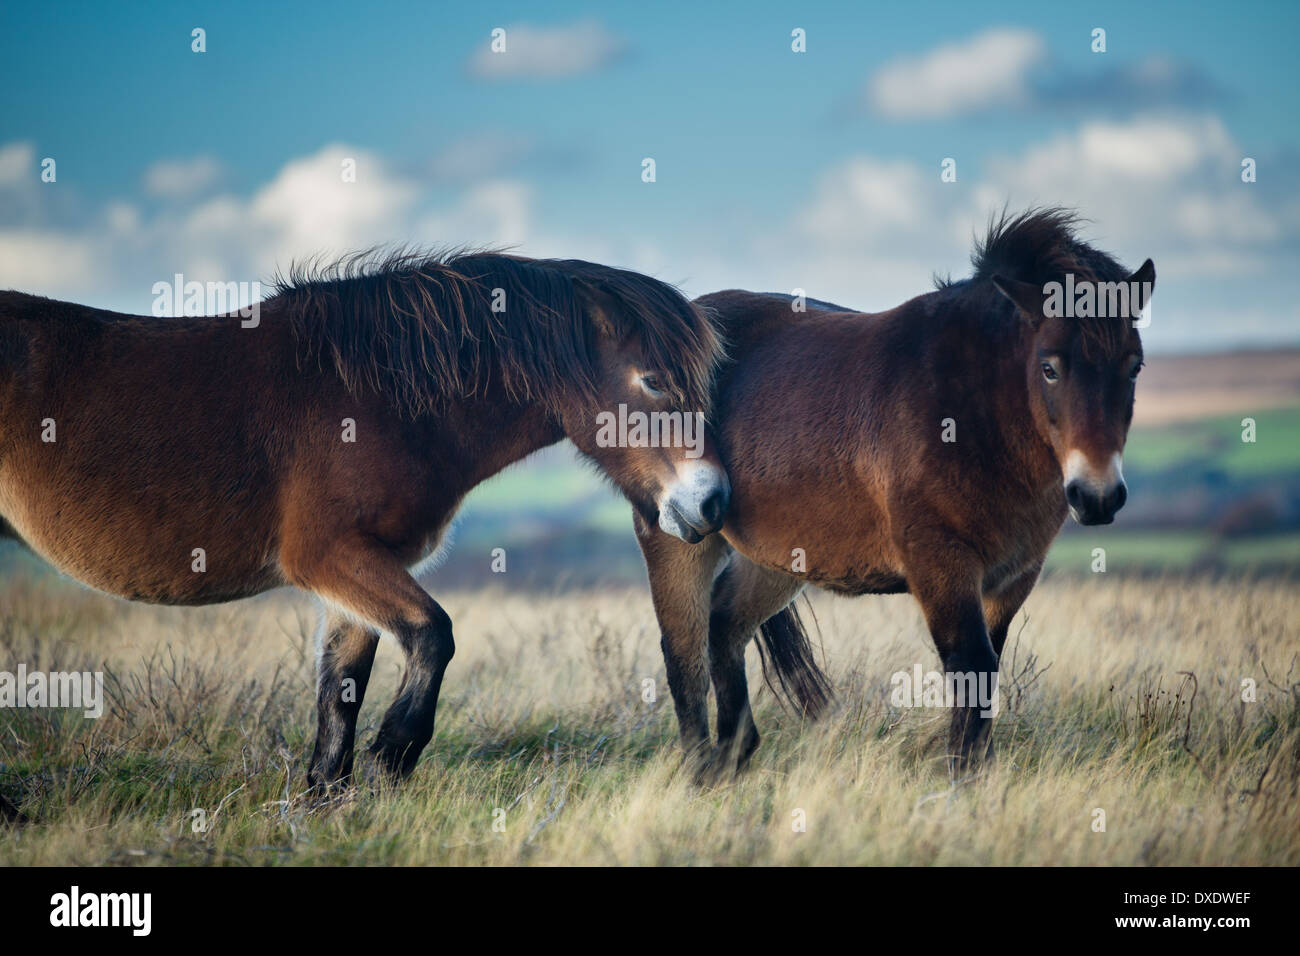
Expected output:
{"points": [[346, 654], [408, 723], [366, 580], [681, 577], [744, 597]]}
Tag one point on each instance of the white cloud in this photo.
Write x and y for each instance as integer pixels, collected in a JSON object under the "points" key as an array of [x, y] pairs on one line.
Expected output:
{"points": [[866, 199], [869, 232], [122, 218], [1010, 68], [872, 231], [1165, 181], [988, 69], [39, 261], [548, 52], [493, 213], [17, 163], [181, 178], [1171, 180], [1147, 150], [305, 210], [479, 155], [308, 208]]}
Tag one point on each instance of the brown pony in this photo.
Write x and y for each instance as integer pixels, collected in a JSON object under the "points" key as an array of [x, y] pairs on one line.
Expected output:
{"points": [[196, 460], [935, 448]]}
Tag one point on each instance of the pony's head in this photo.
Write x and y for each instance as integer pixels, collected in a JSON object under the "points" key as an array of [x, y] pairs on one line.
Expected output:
{"points": [[1083, 312], [620, 363], [643, 416]]}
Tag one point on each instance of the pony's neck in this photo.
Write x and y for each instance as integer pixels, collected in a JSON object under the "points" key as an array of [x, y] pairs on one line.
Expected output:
{"points": [[506, 433]]}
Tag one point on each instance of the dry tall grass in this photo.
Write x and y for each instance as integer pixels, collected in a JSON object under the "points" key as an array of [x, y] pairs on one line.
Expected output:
{"points": [[543, 729]]}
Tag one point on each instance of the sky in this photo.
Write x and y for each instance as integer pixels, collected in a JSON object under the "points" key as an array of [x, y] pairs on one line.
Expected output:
{"points": [[775, 170]]}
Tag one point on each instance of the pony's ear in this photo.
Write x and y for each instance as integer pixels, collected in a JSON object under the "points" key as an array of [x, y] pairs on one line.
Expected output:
{"points": [[1027, 297], [1144, 280], [599, 305]]}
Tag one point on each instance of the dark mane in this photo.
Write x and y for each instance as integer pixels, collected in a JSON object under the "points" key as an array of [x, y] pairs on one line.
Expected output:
{"points": [[1041, 245], [419, 327]]}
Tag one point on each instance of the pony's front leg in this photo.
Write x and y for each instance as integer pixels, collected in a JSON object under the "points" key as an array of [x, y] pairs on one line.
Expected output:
{"points": [[346, 653], [1000, 607], [681, 581], [945, 579]]}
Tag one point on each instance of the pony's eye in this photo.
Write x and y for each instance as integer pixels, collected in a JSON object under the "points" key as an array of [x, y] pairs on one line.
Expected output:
{"points": [[653, 385], [1133, 375], [1049, 372]]}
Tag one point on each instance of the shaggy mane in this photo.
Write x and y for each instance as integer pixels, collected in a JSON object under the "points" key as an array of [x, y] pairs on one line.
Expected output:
{"points": [[419, 328], [1041, 245]]}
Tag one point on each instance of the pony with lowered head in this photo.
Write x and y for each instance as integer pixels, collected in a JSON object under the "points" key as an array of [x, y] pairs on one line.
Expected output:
{"points": [[328, 444]]}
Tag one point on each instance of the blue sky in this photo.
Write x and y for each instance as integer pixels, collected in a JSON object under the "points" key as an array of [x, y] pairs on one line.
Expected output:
{"points": [[774, 169]]}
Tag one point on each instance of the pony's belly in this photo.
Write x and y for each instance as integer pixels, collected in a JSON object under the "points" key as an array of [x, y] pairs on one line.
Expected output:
{"points": [[836, 559], [140, 567], [833, 537], [873, 582], [147, 580]]}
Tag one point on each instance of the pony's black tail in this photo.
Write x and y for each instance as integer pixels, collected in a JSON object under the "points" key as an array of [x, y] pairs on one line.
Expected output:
{"points": [[785, 650]]}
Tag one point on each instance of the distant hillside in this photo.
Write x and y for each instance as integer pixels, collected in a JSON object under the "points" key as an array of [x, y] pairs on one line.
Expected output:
{"points": [[1199, 496], [1178, 388]]}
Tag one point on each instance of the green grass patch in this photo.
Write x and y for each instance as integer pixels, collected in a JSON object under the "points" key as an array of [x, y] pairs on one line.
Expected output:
{"points": [[1217, 443], [1174, 550]]}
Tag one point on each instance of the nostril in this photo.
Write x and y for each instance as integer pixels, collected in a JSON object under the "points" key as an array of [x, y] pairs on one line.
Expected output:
{"points": [[714, 507], [1121, 496], [1074, 495]]}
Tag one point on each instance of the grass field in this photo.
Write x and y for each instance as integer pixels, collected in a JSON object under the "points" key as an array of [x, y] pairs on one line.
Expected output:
{"points": [[544, 731]]}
